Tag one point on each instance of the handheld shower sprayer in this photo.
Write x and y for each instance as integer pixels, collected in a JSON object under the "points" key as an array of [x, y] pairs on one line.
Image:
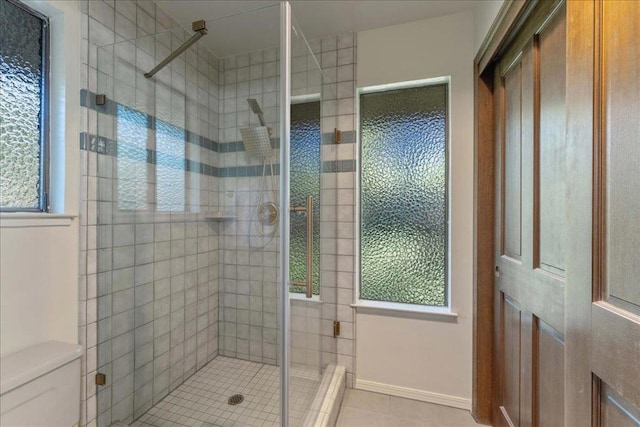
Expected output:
{"points": [[257, 143]]}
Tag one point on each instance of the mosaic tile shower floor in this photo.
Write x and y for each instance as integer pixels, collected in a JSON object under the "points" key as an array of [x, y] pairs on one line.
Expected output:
{"points": [[202, 400]]}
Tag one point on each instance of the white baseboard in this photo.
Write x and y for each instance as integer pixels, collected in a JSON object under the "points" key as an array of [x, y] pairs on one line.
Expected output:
{"points": [[415, 394]]}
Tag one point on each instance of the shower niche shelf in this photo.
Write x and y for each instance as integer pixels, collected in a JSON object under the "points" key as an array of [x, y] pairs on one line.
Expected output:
{"points": [[225, 211], [218, 216]]}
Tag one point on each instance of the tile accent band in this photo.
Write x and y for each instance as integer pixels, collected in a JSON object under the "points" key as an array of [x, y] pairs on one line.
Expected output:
{"points": [[88, 99], [109, 147]]}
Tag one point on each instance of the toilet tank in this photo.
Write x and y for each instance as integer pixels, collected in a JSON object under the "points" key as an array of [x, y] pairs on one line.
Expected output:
{"points": [[40, 386]]}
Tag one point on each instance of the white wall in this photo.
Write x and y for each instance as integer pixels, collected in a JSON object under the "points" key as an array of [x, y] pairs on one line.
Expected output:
{"points": [[38, 285], [426, 358], [39, 252], [484, 14]]}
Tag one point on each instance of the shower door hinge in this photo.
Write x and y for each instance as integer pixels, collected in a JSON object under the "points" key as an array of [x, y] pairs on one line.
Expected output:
{"points": [[336, 328], [101, 379], [337, 136]]}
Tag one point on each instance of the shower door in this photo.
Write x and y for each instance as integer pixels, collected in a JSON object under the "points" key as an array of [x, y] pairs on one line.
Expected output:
{"points": [[312, 286]]}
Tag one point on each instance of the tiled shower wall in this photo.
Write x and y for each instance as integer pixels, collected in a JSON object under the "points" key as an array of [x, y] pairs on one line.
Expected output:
{"points": [[248, 254], [337, 212], [149, 279]]}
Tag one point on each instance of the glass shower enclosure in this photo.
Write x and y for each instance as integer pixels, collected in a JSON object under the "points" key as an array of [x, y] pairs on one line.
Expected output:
{"points": [[198, 165]]}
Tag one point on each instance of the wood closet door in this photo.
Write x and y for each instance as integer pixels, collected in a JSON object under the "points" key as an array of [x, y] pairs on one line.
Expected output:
{"points": [[531, 222], [603, 310]]}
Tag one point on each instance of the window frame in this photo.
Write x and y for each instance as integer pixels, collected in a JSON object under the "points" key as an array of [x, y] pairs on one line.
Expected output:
{"points": [[45, 130], [396, 308]]}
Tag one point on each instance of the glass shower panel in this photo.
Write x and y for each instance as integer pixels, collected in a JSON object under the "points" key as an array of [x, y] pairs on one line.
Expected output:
{"points": [[311, 312], [188, 278]]}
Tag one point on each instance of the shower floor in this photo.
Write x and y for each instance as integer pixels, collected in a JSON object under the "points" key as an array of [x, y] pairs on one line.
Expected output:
{"points": [[201, 401]]}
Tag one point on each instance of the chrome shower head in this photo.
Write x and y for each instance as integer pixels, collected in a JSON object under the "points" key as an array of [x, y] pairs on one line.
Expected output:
{"points": [[257, 109]]}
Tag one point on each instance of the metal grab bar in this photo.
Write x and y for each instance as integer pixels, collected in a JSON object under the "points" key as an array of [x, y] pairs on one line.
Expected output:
{"points": [[309, 210]]}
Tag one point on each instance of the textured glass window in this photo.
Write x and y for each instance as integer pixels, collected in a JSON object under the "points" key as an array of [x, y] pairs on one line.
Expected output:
{"points": [[305, 181], [22, 108], [170, 174], [404, 196], [132, 159]]}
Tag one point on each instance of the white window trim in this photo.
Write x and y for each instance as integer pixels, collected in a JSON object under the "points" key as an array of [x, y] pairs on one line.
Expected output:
{"points": [[34, 219], [298, 296], [387, 308], [303, 99], [64, 117], [404, 310]]}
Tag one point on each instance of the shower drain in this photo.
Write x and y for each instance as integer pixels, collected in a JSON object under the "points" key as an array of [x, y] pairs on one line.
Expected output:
{"points": [[235, 399]]}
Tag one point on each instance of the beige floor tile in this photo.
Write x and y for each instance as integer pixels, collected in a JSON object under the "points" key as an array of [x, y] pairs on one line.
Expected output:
{"points": [[406, 422], [366, 409], [357, 417], [407, 408], [453, 417], [375, 402]]}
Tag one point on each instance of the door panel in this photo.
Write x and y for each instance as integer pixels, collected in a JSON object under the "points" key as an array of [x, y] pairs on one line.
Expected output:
{"points": [[621, 93], [550, 147], [531, 269], [615, 312], [616, 411], [549, 352], [512, 82], [615, 355], [511, 340]]}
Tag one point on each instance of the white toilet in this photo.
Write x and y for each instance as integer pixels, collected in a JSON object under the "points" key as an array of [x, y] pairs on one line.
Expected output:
{"points": [[40, 386]]}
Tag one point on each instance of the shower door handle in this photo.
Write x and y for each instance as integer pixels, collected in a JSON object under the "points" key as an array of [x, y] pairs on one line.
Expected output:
{"points": [[309, 210]]}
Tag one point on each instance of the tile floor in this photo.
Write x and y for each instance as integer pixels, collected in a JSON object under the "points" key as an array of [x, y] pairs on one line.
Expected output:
{"points": [[366, 409], [202, 400]]}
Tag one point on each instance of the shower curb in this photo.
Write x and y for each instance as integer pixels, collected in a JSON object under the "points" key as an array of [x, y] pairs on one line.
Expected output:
{"points": [[326, 404]]}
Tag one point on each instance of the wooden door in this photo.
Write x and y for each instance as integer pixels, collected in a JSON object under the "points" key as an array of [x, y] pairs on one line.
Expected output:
{"points": [[531, 222], [603, 280]]}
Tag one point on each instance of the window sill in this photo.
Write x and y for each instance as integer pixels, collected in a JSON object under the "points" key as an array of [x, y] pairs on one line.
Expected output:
{"points": [[35, 219], [441, 314], [302, 297]]}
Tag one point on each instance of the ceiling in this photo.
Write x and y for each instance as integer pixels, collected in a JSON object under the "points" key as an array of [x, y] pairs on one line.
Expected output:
{"points": [[240, 26]]}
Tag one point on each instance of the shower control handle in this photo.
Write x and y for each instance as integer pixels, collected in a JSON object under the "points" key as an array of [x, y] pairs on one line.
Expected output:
{"points": [[309, 210]]}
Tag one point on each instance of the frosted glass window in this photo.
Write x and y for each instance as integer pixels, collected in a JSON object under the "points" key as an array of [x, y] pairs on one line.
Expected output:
{"points": [[170, 169], [132, 159], [23, 97], [403, 234], [305, 181]]}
